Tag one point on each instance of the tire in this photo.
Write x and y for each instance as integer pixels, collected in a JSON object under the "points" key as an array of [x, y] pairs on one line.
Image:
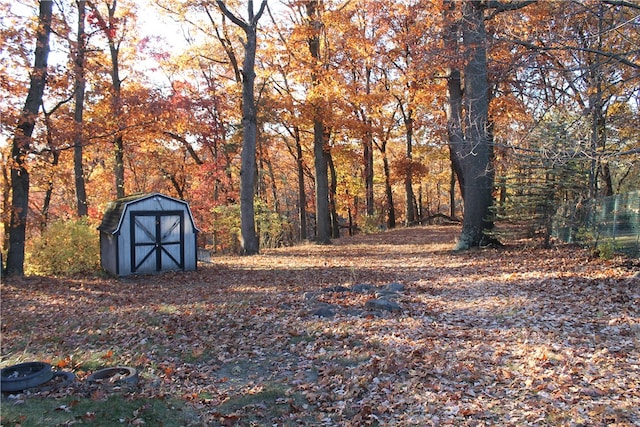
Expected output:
{"points": [[25, 375], [116, 375]]}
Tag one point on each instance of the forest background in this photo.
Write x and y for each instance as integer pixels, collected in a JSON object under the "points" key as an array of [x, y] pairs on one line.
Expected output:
{"points": [[372, 102]]}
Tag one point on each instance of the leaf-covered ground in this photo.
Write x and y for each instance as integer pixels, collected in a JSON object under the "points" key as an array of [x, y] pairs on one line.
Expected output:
{"points": [[509, 336]]}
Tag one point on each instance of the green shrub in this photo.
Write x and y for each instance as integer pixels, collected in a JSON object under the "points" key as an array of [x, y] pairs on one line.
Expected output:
{"points": [[371, 224], [273, 229], [226, 228], [606, 250], [65, 248]]}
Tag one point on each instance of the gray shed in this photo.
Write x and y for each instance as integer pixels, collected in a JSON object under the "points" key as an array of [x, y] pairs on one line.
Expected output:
{"points": [[148, 233]]}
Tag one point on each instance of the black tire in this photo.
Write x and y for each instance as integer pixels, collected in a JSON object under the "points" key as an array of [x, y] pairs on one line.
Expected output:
{"points": [[24, 375], [116, 375]]}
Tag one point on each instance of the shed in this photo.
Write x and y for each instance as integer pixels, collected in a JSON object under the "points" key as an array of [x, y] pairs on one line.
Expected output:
{"points": [[148, 233]]}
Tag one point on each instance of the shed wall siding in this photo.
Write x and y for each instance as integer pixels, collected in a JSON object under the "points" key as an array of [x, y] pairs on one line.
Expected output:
{"points": [[109, 256]]}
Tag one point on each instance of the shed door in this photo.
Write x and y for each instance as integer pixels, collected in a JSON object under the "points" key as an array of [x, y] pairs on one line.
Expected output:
{"points": [[157, 241]]}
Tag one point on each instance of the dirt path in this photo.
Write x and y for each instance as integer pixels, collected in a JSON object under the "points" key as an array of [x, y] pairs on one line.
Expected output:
{"points": [[388, 329]]}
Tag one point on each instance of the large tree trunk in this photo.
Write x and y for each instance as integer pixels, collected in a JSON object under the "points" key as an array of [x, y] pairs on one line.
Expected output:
{"points": [[454, 88], [476, 150], [22, 144], [81, 193], [454, 126], [249, 237], [320, 142], [250, 244], [323, 226]]}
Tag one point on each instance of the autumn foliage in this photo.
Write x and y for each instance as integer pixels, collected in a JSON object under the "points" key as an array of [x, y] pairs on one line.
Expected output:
{"points": [[162, 108]]}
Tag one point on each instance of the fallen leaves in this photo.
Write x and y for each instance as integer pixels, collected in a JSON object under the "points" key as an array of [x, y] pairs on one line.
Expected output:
{"points": [[487, 337]]}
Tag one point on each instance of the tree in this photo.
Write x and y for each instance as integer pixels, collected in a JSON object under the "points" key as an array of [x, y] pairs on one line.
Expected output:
{"points": [[81, 46], [21, 146], [470, 131], [250, 244], [112, 28], [577, 84], [403, 62], [320, 131]]}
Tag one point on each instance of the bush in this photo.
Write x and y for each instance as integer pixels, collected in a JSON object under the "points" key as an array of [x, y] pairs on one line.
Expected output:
{"points": [[226, 228], [65, 248], [273, 229], [371, 225]]}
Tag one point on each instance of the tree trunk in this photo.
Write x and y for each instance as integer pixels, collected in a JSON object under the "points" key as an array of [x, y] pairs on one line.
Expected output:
{"points": [[302, 197], [454, 127], [81, 193], [6, 204], [476, 151], [273, 186], [116, 108], [22, 144], [368, 169], [391, 212], [410, 211], [333, 189], [454, 108], [109, 28], [452, 194], [368, 151], [46, 203], [249, 236], [323, 228]]}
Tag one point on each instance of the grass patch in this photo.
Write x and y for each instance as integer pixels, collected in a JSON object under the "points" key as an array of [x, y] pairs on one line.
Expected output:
{"points": [[271, 402], [114, 411]]}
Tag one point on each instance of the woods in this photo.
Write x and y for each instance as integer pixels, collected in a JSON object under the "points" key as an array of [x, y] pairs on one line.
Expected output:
{"points": [[285, 121]]}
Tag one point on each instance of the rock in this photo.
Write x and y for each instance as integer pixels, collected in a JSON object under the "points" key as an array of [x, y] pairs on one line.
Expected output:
{"points": [[387, 294], [336, 288], [310, 296], [383, 304], [395, 287], [362, 288], [324, 311]]}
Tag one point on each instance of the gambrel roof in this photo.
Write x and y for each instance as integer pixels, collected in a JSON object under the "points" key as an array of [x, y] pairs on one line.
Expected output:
{"points": [[112, 219]]}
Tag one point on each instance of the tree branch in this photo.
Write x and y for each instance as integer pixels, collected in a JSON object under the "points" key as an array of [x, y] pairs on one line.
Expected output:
{"points": [[622, 3], [239, 22]]}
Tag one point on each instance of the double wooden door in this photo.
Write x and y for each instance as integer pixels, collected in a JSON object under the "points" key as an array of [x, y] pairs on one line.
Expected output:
{"points": [[157, 241]]}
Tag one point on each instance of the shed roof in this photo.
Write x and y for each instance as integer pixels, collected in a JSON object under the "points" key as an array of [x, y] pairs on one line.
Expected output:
{"points": [[112, 218]]}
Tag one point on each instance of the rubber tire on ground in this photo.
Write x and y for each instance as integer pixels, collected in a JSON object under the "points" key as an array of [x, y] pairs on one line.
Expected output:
{"points": [[29, 374], [129, 375]]}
